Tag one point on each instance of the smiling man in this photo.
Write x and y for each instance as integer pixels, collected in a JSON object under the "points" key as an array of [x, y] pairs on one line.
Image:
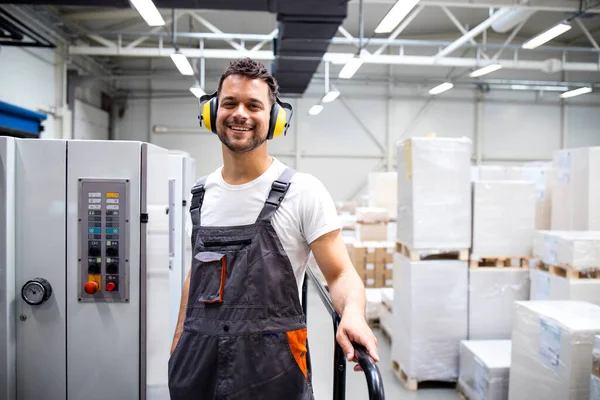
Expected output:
{"points": [[241, 332]]}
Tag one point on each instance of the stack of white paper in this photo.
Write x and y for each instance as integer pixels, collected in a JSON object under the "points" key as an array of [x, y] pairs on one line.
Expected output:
{"points": [[484, 369], [430, 317], [434, 193], [552, 349]]}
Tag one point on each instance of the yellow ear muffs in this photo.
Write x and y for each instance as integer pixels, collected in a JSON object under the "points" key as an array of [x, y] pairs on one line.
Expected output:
{"points": [[279, 122], [208, 117]]}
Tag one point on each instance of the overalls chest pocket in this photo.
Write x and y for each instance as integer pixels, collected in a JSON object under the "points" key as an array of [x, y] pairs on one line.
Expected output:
{"points": [[219, 271]]}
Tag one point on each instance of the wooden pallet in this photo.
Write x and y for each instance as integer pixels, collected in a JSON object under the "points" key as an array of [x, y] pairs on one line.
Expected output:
{"points": [[432, 254], [499, 262], [373, 323], [568, 271], [413, 384]]}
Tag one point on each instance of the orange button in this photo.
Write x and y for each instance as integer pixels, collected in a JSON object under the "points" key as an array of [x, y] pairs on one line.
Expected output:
{"points": [[110, 286], [91, 287]]}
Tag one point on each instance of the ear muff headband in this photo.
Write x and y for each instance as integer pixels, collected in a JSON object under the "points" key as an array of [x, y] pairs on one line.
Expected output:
{"points": [[278, 122]]}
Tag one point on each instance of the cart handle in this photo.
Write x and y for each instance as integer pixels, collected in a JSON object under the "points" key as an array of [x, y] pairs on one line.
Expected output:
{"points": [[369, 367]]}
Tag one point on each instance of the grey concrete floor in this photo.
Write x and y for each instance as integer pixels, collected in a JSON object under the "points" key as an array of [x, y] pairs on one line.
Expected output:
{"points": [[321, 342]]}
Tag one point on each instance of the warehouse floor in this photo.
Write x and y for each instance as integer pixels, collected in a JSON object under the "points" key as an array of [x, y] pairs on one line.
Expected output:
{"points": [[320, 336]]}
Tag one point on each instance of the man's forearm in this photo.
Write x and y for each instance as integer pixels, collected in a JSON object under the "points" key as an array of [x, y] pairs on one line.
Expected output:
{"points": [[348, 292], [182, 312]]}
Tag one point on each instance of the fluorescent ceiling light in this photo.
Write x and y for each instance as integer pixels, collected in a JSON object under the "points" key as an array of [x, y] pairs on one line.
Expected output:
{"points": [[149, 12], [576, 92], [330, 96], [485, 70], [546, 36], [441, 88], [396, 14], [350, 68], [182, 64], [197, 91], [316, 109]]}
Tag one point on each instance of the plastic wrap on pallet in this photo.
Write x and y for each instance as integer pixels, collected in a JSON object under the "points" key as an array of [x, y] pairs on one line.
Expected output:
{"points": [[430, 317], [492, 293], [545, 286], [580, 252], [484, 369], [595, 382], [552, 349], [576, 189], [503, 218], [538, 243], [371, 215], [541, 174], [386, 320], [387, 298], [434, 193], [373, 306], [383, 191], [578, 249]]}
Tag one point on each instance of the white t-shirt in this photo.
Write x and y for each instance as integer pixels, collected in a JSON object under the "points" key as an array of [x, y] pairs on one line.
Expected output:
{"points": [[306, 213]]}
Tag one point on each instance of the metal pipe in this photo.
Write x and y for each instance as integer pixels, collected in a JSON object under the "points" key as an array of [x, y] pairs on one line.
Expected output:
{"points": [[361, 25]]}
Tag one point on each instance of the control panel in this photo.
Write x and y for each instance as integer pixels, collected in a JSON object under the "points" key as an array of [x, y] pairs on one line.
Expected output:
{"points": [[103, 228]]}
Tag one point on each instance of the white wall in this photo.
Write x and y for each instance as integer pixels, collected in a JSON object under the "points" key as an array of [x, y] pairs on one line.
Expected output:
{"points": [[27, 80], [90, 123], [515, 127]]}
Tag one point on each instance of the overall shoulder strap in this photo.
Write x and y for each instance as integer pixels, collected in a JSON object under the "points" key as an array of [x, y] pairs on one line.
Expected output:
{"points": [[276, 195], [197, 199]]}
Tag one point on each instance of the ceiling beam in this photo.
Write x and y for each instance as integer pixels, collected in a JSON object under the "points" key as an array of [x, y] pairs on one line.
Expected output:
{"points": [[334, 58], [538, 5], [472, 33]]}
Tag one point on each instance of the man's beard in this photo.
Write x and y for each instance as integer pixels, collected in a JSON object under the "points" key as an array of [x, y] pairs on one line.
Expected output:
{"points": [[247, 145]]}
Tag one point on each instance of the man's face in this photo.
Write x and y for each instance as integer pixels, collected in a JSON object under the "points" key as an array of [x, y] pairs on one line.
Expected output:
{"points": [[243, 113]]}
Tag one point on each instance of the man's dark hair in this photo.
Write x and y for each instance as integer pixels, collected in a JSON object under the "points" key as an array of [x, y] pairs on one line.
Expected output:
{"points": [[252, 70]]}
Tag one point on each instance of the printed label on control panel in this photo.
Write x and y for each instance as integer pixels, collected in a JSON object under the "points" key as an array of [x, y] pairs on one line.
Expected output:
{"points": [[102, 243]]}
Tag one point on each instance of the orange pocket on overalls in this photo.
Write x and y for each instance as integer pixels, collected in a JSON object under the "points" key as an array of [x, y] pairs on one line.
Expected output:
{"points": [[297, 342], [209, 276]]}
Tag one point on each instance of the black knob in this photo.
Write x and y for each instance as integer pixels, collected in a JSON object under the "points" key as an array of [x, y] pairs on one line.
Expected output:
{"points": [[112, 251], [36, 291], [94, 251], [112, 269], [94, 269]]}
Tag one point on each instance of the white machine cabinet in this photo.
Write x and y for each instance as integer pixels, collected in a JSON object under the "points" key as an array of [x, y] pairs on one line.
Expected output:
{"points": [[92, 273], [181, 179], [7, 271]]}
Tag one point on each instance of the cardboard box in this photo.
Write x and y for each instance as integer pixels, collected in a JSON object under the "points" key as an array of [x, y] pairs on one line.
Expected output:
{"points": [[492, 293], [503, 218], [371, 215], [545, 286], [552, 349], [484, 369], [383, 192], [371, 232], [430, 317], [434, 193], [576, 189]]}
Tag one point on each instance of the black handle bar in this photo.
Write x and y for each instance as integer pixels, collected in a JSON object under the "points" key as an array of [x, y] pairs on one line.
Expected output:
{"points": [[369, 367]]}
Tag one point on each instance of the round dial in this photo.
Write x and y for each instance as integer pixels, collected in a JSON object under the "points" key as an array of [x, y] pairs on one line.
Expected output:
{"points": [[36, 291]]}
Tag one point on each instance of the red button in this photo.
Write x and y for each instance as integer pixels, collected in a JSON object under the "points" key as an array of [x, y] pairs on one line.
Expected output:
{"points": [[91, 287], [110, 286]]}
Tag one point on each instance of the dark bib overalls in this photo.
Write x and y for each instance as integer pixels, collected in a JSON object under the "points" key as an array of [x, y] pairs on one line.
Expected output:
{"points": [[244, 334]]}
